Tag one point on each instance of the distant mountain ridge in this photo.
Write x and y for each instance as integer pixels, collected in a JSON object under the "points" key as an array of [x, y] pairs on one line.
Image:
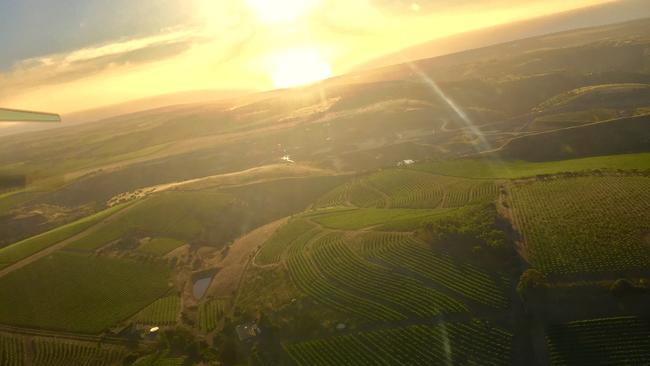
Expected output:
{"points": [[593, 16]]}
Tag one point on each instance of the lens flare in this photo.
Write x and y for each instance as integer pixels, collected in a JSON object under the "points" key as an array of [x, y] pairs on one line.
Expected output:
{"points": [[279, 11], [297, 67]]}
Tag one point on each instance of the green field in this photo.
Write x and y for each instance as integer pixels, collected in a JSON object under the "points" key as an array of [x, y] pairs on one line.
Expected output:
{"points": [[595, 342], [27, 247], [79, 293], [404, 254], [443, 344], [332, 273], [163, 311], [47, 351], [493, 168], [584, 224], [160, 359], [407, 188], [12, 351], [182, 216], [212, 216], [159, 246], [273, 248], [210, 313], [369, 217]]}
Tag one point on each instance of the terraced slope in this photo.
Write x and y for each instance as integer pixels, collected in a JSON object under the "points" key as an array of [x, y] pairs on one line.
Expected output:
{"points": [[273, 248], [405, 254], [408, 188], [330, 271], [470, 343]]}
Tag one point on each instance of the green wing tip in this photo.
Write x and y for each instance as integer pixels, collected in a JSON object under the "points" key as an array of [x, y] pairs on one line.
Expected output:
{"points": [[14, 115]]}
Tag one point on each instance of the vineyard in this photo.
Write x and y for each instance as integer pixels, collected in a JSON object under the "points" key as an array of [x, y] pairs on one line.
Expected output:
{"points": [[27, 247], [210, 312], [472, 343], [585, 224], [369, 217], [163, 311], [55, 352], [331, 272], [608, 341], [159, 246], [160, 360], [405, 188], [273, 248], [12, 351], [402, 252], [504, 169], [79, 293]]}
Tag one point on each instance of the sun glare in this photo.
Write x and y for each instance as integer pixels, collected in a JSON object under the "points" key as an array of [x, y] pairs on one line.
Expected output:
{"points": [[278, 11], [298, 67]]}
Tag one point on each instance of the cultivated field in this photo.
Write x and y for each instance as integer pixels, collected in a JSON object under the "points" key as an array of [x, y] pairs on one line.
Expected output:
{"points": [[606, 341], [80, 293], [584, 224], [470, 343]]}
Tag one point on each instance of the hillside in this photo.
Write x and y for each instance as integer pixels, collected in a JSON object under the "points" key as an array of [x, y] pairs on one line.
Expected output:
{"points": [[483, 208]]}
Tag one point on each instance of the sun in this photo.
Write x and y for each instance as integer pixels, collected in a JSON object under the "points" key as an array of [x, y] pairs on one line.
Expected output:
{"points": [[279, 11], [297, 67]]}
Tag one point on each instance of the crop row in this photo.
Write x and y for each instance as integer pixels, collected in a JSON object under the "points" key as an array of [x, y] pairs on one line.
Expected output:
{"points": [[12, 351], [606, 341], [343, 267], [331, 272], [585, 224], [471, 343], [53, 352], [409, 189], [163, 311], [405, 253], [306, 276], [273, 248], [210, 312]]}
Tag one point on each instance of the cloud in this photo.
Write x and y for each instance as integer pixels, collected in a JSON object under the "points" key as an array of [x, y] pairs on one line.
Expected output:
{"points": [[66, 67]]}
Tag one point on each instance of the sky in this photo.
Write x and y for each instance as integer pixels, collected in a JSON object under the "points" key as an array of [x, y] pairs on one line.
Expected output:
{"points": [[69, 55]]}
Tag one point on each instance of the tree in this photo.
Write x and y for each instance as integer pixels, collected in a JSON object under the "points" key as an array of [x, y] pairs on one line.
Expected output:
{"points": [[532, 283]]}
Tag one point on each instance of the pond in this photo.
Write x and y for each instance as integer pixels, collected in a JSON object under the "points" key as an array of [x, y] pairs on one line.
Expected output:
{"points": [[200, 286]]}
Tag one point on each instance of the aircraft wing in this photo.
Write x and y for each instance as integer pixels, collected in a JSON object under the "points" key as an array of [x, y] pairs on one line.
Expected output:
{"points": [[14, 115]]}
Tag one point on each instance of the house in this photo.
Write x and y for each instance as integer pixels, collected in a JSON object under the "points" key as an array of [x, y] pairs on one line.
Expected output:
{"points": [[247, 331]]}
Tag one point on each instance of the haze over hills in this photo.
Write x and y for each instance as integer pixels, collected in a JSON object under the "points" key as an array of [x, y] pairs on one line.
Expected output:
{"points": [[597, 15], [487, 207], [105, 112]]}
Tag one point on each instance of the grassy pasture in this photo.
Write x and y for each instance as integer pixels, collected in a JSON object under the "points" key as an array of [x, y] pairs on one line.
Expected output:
{"points": [[469, 343], [584, 224], [27, 247], [509, 169], [74, 292], [159, 246]]}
